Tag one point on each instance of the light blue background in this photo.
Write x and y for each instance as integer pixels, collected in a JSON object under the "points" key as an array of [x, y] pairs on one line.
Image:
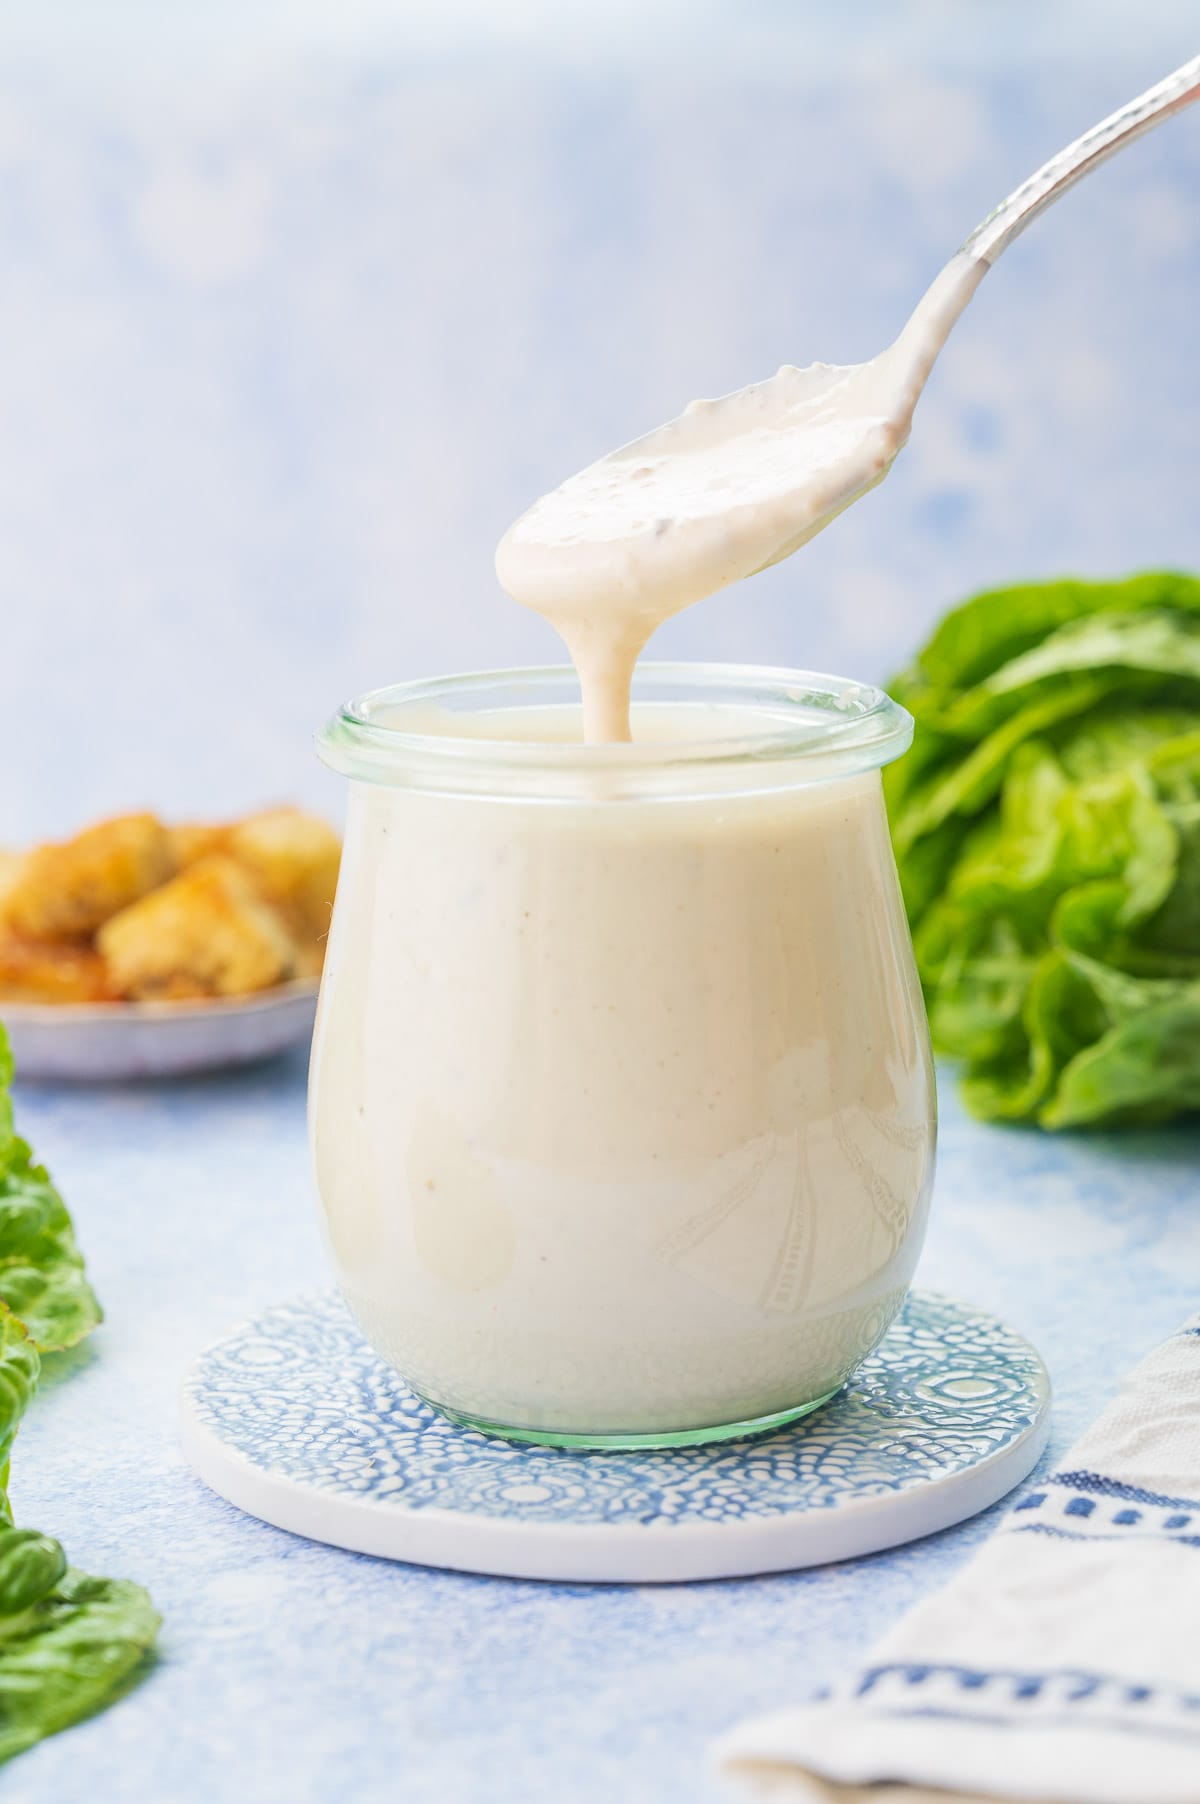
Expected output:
{"points": [[301, 304], [298, 306]]}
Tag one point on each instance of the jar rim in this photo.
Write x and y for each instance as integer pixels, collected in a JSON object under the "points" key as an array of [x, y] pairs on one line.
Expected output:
{"points": [[822, 725]]}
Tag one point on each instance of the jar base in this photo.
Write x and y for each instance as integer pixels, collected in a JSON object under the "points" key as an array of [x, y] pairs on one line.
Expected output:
{"points": [[631, 1441]]}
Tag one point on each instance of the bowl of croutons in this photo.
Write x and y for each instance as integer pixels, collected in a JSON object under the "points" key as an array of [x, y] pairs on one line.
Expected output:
{"points": [[138, 949]]}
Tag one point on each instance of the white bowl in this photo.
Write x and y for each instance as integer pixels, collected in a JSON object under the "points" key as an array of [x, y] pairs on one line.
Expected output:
{"points": [[101, 1041]]}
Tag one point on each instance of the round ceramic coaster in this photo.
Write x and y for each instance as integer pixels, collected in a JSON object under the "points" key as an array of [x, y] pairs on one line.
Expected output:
{"points": [[296, 1420]]}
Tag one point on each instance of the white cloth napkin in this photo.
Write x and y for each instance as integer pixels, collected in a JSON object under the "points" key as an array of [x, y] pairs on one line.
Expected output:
{"points": [[1061, 1665]]}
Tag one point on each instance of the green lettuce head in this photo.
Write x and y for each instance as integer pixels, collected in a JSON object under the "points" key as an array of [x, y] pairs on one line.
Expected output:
{"points": [[1047, 830]]}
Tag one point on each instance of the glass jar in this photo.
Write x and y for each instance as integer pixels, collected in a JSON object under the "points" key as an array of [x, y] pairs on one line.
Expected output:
{"points": [[622, 1103]]}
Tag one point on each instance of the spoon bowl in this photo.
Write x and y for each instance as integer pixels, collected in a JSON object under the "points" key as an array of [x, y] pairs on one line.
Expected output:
{"points": [[737, 484]]}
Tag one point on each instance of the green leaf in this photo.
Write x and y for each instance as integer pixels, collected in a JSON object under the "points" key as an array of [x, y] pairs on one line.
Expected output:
{"points": [[976, 638], [6, 1108], [976, 776], [1144, 1069], [977, 991], [926, 866], [42, 1276], [20, 1367], [69, 1644], [1171, 935], [1124, 650], [71, 1651], [31, 1564], [1059, 1016], [1048, 843]]}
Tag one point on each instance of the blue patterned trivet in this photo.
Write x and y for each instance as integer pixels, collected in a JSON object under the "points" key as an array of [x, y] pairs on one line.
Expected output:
{"points": [[294, 1419]]}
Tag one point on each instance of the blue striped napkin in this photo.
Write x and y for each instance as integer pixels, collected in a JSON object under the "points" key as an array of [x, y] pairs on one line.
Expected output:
{"points": [[1061, 1665]]}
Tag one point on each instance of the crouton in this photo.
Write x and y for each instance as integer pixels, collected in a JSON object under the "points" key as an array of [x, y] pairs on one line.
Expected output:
{"points": [[195, 840], [294, 858], [67, 891], [11, 865], [33, 972], [206, 933]]}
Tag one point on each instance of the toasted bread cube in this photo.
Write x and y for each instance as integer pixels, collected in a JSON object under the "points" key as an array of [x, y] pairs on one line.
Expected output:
{"points": [[195, 840], [294, 858], [11, 866], [206, 933], [67, 891], [33, 972]]}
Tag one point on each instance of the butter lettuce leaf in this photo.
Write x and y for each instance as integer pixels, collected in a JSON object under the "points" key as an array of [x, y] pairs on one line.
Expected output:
{"points": [[1048, 841], [42, 1275], [20, 1368], [1144, 1069], [72, 1644], [69, 1644], [981, 635]]}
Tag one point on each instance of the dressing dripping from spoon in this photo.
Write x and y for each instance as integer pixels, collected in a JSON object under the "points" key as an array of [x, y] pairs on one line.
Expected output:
{"points": [[734, 485]]}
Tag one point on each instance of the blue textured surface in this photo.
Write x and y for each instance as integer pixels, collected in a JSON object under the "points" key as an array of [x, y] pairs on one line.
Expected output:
{"points": [[252, 253], [291, 1671], [312, 298], [300, 1395]]}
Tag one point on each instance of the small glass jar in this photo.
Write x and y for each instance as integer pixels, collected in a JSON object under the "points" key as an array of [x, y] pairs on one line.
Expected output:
{"points": [[622, 1104]]}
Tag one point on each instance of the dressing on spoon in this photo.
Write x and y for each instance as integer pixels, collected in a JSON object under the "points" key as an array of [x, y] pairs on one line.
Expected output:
{"points": [[737, 484]]}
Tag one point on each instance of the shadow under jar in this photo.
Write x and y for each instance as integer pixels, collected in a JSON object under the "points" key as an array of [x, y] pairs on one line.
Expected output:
{"points": [[621, 1103]]}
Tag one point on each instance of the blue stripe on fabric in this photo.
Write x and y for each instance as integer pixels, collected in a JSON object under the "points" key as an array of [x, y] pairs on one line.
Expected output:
{"points": [[1084, 1684], [1102, 1486], [1079, 1534], [1061, 1720], [1010, 1687]]}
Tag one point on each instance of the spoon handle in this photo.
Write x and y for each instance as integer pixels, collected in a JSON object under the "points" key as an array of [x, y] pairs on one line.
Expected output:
{"points": [[1010, 218]]}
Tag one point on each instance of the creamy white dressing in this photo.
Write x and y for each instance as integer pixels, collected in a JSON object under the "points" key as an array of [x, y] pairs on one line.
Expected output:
{"points": [[728, 488], [622, 1108]]}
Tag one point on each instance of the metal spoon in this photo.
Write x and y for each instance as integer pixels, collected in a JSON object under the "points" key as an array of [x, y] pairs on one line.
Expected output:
{"points": [[1007, 221], [1046, 185], [910, 359], [739, 483]]}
